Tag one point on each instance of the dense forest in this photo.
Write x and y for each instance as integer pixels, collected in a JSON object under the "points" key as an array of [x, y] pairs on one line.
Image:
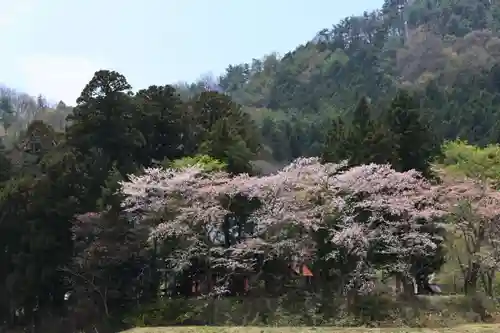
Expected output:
{"points": [[335, 184]]}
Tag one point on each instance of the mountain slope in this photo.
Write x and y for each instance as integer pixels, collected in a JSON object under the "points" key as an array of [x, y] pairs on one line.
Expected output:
{"points": [[447, 51]]}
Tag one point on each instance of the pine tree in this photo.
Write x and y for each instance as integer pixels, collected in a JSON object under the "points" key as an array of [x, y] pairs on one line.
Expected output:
{"points": [[364, 141], [412, 137], [334, 149], [225, 144]]}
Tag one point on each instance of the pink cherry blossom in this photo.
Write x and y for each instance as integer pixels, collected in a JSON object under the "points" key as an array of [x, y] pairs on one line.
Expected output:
{"points": [[376, 209]]}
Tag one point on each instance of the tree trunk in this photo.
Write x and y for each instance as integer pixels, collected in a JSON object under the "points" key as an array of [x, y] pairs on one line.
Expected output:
{"points": [[409, 286], [471, 278], [487, 279], [399, 285]]}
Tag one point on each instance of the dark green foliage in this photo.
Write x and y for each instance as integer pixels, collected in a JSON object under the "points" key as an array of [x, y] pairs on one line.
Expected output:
{"points": [[224, 131], [163, 122], [104, 119], [442, 53], [111, 133], [224, 144], [370, 89], [110, 199], [413, 140], [334, 149], [360, 139], [5, 164], [401, 137]]}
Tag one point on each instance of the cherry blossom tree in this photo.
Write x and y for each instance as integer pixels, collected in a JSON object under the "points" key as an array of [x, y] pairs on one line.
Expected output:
{"points": [[109, 266], [475, 212], [371, 217]]}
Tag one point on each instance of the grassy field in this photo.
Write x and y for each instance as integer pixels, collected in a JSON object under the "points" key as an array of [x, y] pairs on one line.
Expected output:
{"points": [[459, 329]]}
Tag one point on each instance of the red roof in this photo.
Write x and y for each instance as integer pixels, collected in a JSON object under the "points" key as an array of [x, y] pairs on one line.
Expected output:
{"points": [[305, 271]]}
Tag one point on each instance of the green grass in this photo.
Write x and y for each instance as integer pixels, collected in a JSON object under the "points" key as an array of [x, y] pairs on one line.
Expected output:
{"points": [[459, 329]]}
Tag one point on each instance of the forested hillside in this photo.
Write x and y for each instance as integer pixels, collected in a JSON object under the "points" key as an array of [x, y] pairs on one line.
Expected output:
{"points": [[448, 52], [18, 109], [332, 185]]}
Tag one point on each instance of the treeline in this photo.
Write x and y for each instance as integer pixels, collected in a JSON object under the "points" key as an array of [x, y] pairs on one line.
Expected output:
{"points": [[189, 203], [146, 201], [18, 109], [446, 52], [49, 177]]}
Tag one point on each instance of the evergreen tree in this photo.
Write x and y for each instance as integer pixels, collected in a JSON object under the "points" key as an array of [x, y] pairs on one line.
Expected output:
{"points": [[105, 120], [334, 149], [413, 140], [162, 122], [364, 141], [226, 145]]}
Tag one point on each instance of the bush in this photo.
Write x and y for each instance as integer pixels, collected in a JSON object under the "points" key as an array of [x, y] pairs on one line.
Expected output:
{"points": [[168, 312], [380, 308]]}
